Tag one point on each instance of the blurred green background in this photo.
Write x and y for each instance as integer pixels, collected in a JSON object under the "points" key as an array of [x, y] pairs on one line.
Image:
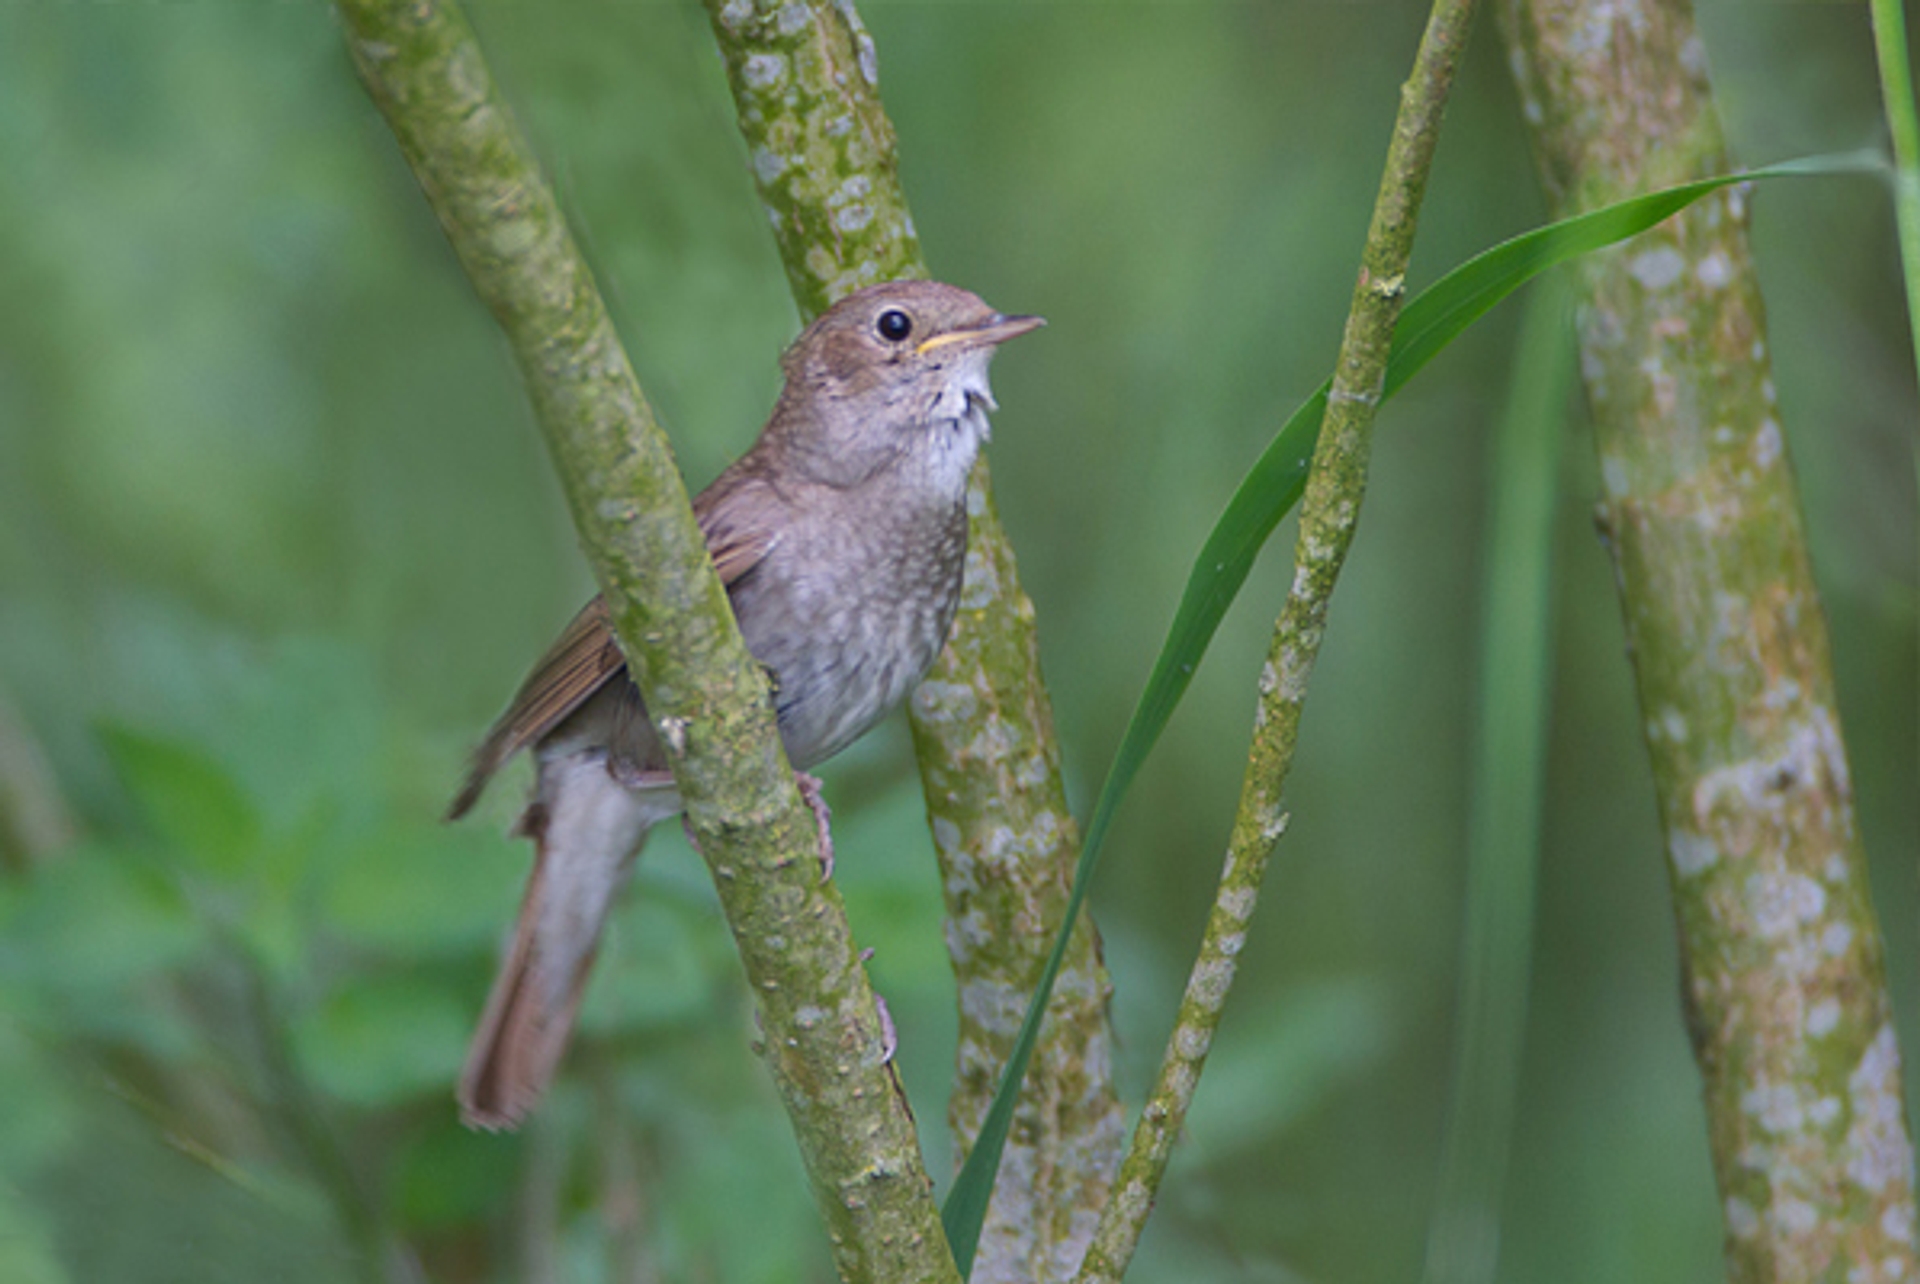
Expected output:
{"points": [[277, 540]]}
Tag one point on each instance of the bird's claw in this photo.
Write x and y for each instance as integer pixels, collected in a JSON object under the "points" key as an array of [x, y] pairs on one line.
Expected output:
{"points": [[822, 817], [889, 1036]]}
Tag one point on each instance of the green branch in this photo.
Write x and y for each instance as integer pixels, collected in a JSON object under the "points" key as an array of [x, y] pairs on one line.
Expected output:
{"points": [[823, 1038], [1329, 515], [805, 82]]}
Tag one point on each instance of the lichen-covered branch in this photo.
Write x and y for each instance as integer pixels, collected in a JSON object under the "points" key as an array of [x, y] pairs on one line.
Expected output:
{"points": [[1781, 958], [823, 1039], [805, 79], [1329, 515], [806, 82]]}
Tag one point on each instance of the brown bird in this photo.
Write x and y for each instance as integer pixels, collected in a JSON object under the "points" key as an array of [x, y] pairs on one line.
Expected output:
{"points": [[840, 537]]}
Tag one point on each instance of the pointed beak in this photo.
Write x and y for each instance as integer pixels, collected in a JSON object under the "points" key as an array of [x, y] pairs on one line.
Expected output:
{"points": [[997, 329]]}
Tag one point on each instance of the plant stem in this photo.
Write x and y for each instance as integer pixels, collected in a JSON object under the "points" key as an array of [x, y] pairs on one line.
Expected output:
{"points": [[1509, 779], [1781, 962], [805, 81], [823, 1039], [1329, 514], [1896, 88]]}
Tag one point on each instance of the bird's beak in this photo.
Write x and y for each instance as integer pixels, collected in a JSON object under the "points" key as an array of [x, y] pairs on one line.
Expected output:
{"points": [[997, 328]]}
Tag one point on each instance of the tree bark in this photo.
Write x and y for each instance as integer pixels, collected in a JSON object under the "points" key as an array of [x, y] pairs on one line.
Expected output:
{"points": [[1782, 971], [823, 1039], [805, 80]]}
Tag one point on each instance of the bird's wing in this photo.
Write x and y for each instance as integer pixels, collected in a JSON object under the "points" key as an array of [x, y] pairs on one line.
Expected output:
{"points": [[733, 516], [579, 663], [738, 514]]}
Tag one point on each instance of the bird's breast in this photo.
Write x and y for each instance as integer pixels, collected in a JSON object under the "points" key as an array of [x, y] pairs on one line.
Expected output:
{"points": [[848, 616]]}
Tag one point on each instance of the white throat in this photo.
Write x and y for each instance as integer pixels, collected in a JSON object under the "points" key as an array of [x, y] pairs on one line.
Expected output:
{"points": [[958, 420]]}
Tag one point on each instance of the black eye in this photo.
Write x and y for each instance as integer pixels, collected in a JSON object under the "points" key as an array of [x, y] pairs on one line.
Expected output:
{"points": [[894, 325]]}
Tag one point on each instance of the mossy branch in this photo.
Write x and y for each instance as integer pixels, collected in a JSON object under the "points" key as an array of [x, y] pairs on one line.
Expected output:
{"points": [[823, 1038], [805, 79], [1781, 961], [1329, 515]]}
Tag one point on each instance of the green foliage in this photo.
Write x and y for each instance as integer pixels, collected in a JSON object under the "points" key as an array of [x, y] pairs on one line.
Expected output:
{"points": [[193, 807], [381, 1041], [280, 972], [269, 499]]}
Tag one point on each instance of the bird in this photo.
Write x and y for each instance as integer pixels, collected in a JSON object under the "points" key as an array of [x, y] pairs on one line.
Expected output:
{"points": [[840, 536]]}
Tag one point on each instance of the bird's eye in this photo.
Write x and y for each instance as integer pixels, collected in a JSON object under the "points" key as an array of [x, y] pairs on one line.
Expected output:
{"points": [[894, 325]]}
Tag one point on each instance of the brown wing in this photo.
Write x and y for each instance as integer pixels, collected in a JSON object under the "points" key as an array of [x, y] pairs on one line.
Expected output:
{"points": [[585, 657], [578, 664], [739, 514]]}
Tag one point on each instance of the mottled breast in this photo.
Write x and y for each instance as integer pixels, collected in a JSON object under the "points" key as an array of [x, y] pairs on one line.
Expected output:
{"points": [[848, 615]]}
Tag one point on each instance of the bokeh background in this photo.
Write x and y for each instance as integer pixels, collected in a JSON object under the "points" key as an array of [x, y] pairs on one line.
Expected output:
{"points": [[277, 539]]}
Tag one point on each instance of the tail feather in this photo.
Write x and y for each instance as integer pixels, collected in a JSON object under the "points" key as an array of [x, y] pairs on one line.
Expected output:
{"points": [[587, 828]]}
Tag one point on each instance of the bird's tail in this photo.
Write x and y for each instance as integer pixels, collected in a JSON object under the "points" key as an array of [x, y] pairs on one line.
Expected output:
{"points": [[587, 827]]}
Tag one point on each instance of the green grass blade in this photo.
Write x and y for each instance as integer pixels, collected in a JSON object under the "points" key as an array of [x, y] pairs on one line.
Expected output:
{"points": [[1271, 488], [1903, 125], [1509, 766]]}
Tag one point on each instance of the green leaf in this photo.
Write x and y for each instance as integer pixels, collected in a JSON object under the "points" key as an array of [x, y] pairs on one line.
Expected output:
{"points": [[188, 799], [1271, 488], [83, 940], [449, 1175], [419, 889], [38, 1114], [1509, 766], [380, 1042], [28, 1253], [652, 970], [98, 919]]}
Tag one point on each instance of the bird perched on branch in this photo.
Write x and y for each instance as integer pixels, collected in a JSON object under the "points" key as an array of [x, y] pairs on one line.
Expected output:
{"points": [[840, 535]]}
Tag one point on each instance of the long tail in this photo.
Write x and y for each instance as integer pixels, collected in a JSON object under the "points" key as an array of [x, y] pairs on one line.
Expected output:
{"points": [[587, 828]]}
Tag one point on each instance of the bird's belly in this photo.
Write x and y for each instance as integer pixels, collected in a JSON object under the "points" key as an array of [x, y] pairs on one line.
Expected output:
{"points": [[857, 670], [842, 656]]}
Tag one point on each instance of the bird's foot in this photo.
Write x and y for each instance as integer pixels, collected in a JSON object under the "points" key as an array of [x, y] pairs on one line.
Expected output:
{"points": [[889, 1036], [822, 818]]}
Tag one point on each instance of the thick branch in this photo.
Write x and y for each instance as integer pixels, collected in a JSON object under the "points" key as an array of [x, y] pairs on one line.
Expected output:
{"points": [[823, 1038], [1329, 515], [805, 80], [1781, 956]]}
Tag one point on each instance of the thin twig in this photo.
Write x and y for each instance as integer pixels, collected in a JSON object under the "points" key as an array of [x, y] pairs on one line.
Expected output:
{"points": [[1329, 512]]}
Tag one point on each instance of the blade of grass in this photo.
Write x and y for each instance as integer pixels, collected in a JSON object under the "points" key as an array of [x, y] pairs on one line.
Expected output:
{"points": [[1273, 486], [1509, 758], [1896, 88]]}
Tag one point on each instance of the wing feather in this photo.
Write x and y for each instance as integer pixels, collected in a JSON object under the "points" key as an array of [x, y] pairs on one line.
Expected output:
{"points": [[737, 516], [733, 516], [582, 660]]}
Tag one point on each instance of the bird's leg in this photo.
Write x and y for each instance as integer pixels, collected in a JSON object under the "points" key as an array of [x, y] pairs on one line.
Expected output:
{"points": [[889, 1035]]}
